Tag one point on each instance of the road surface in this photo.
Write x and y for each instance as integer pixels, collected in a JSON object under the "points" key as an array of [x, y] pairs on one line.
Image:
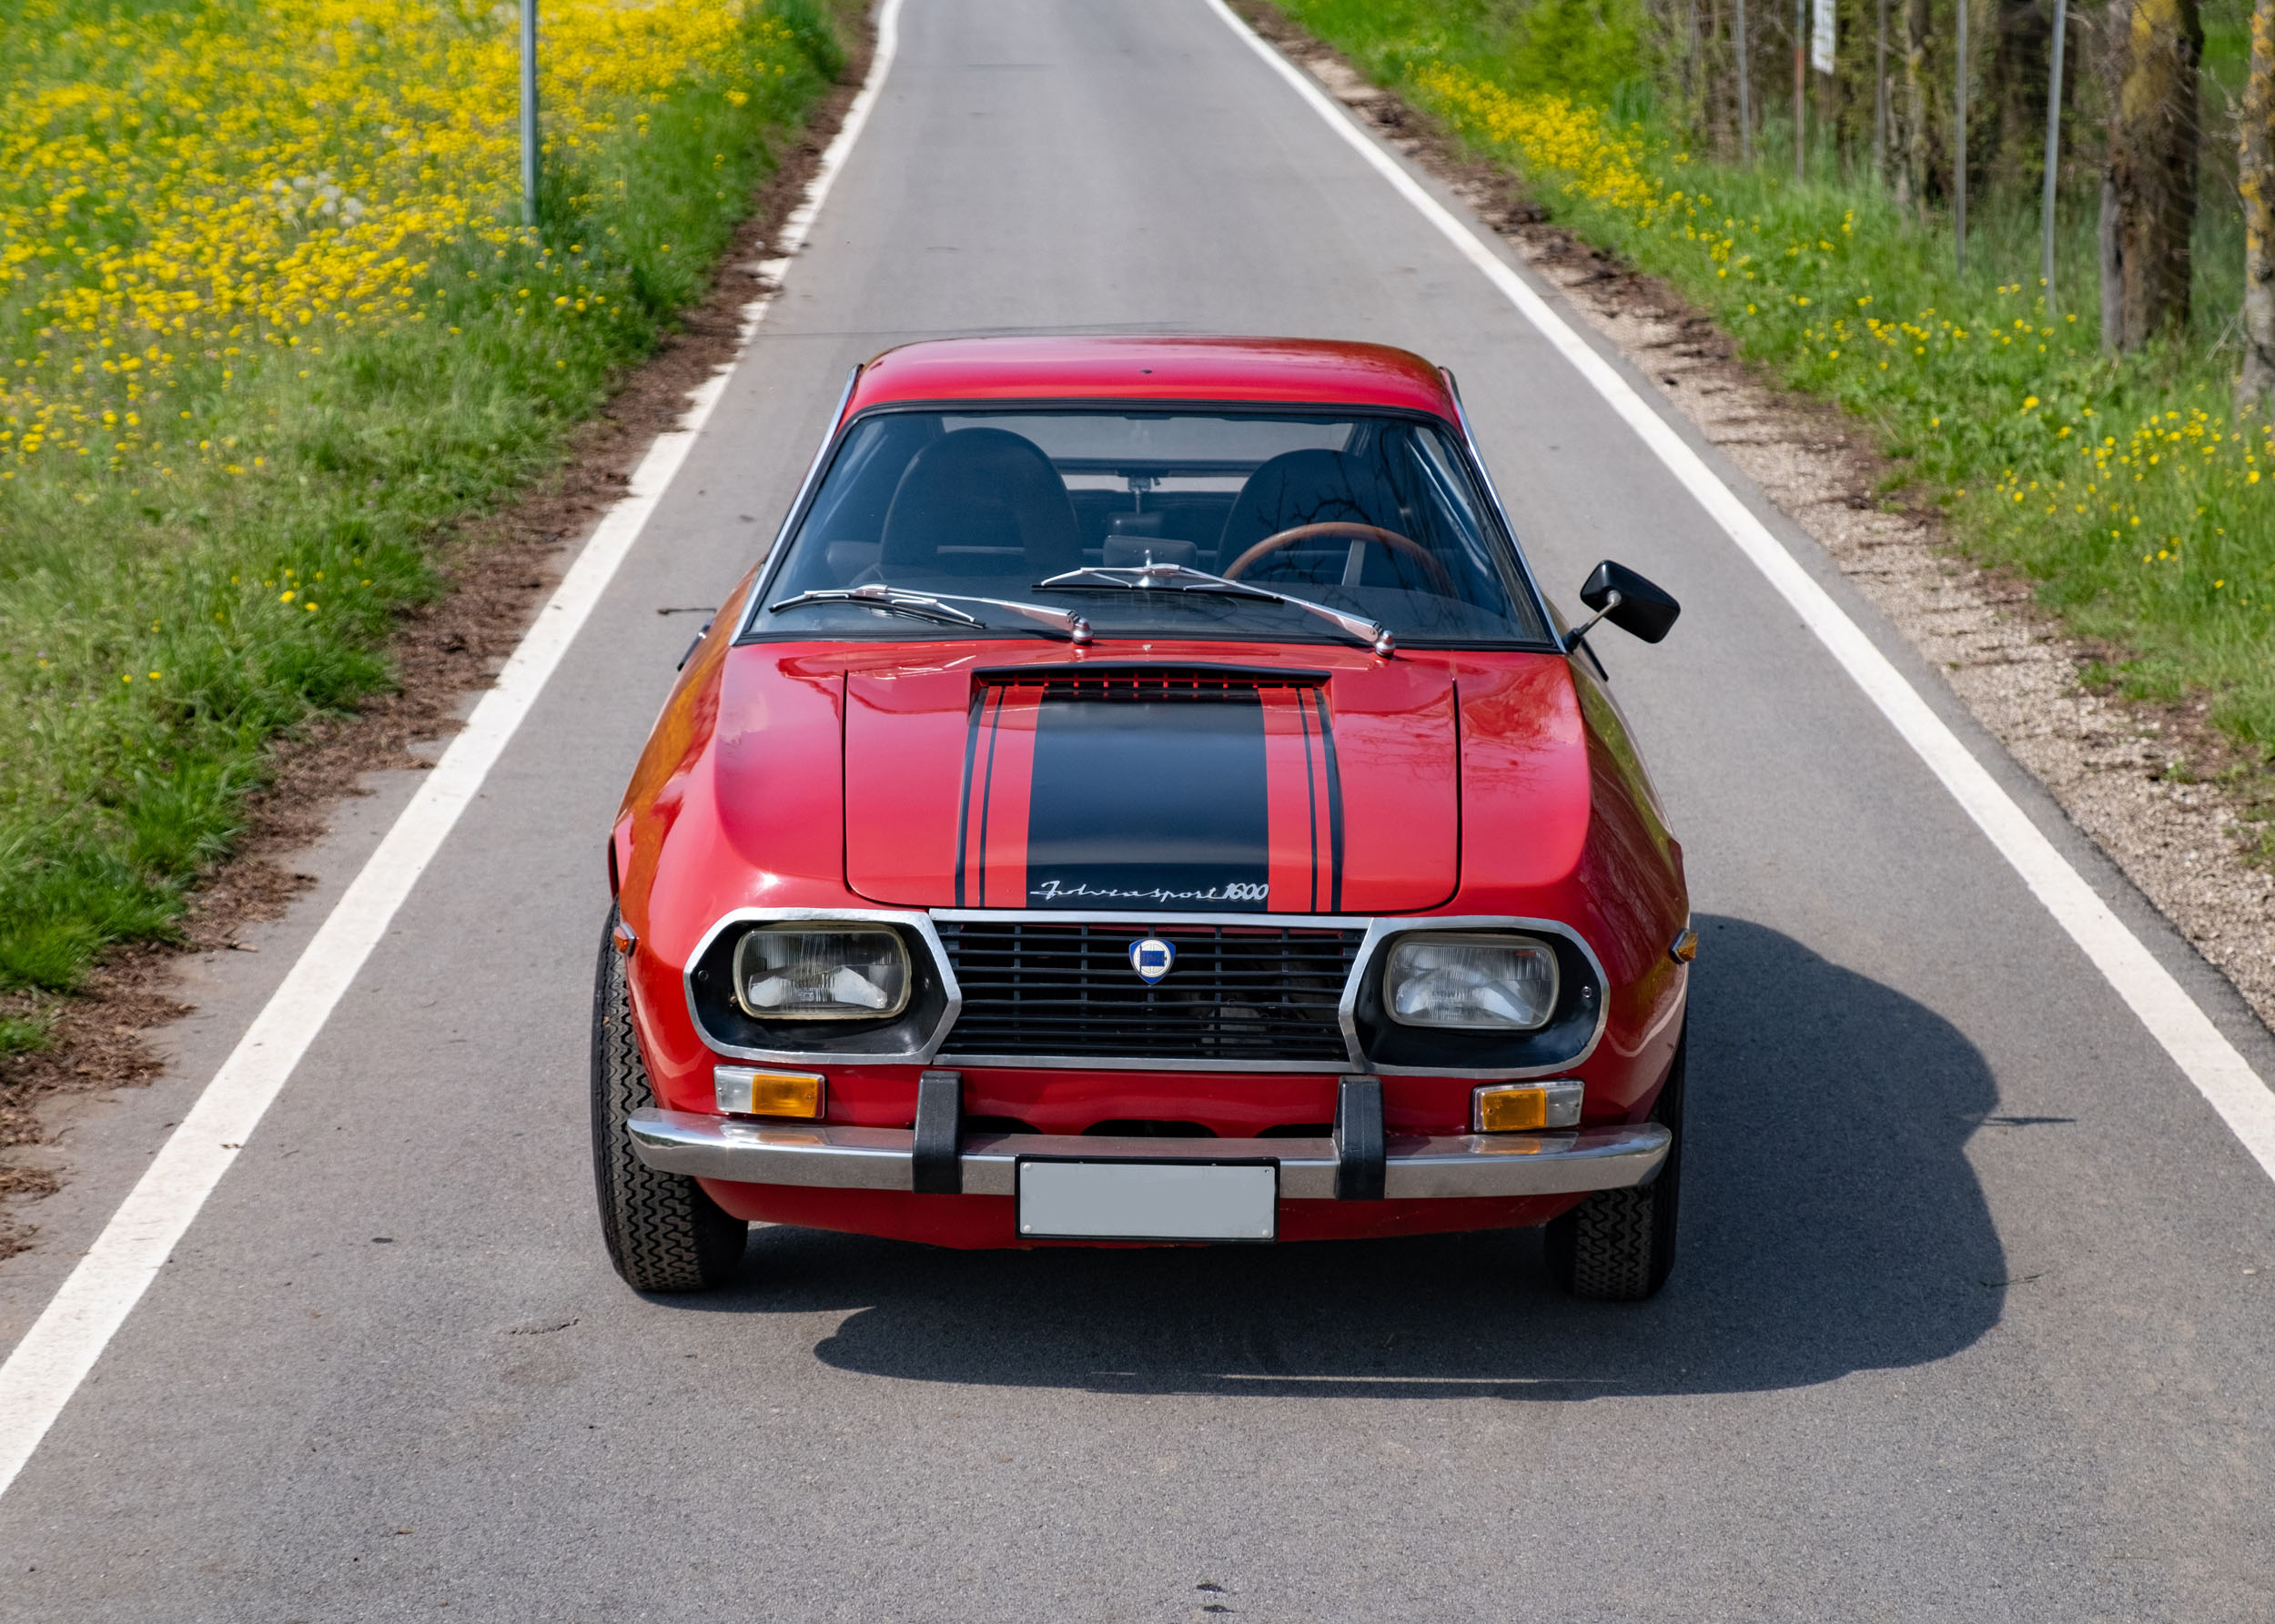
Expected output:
{"points": [[1965, 1324]]}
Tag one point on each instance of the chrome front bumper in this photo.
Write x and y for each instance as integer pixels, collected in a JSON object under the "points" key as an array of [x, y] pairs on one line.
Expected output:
{"points": [[772, 1152]]}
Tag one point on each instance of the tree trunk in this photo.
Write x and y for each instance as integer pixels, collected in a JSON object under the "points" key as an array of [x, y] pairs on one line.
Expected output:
{"points": [[1911, 178], [2148, 195], [2256, 177]]}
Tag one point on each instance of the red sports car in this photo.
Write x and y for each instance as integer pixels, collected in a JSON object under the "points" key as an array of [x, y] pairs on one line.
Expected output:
{"points": [[1144, 797]]}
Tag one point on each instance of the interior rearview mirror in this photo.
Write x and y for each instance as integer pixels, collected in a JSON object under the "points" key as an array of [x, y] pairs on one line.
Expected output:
{"points": [[1632, 602]]}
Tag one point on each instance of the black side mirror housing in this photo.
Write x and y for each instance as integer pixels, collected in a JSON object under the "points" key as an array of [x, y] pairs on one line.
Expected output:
{"points": [[1632, 602]]}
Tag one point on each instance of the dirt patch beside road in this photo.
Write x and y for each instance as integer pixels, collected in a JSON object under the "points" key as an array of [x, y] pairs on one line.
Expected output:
{"points": [[2141, 780]]}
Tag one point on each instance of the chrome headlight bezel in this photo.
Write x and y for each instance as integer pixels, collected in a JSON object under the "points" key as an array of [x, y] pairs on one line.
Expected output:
{"points": [[912, 1035], [1564, 1040], [1402, 973]]}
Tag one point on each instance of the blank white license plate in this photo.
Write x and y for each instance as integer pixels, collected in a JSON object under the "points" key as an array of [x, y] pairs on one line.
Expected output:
{"points": [[1148, 1201]]}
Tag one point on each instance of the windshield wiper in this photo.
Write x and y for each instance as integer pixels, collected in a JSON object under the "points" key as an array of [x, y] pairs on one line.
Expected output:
{"points": [[1176, 577], [920, 606]]}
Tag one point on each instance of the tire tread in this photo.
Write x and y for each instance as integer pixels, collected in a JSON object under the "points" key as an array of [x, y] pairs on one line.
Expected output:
{"points": [[1618, 1245], [663, 1233]]}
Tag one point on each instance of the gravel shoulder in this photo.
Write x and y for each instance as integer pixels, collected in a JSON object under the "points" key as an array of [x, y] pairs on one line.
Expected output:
{"points": [[2140, 780]]}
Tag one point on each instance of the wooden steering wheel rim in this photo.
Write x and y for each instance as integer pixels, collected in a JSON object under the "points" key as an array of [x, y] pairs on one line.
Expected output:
{"points": [[1357, 531]]}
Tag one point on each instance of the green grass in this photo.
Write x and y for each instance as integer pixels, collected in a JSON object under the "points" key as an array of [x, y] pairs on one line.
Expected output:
{"points": [[155, 634], [2165, 549]]}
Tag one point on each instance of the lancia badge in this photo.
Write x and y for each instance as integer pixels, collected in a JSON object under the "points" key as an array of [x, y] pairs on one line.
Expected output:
{"points": [[1151, 959]]}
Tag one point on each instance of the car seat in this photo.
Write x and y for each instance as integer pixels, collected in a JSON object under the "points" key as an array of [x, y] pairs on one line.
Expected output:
{"points": [[981, 502], [1308, 487]]}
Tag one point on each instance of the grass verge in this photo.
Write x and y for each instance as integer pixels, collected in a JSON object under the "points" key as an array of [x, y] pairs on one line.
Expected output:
{"points": [[2141, 505], [271, 324]]}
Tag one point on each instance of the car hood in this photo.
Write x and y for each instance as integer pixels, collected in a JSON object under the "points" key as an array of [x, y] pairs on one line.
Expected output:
{"points": [[1190, 784]]}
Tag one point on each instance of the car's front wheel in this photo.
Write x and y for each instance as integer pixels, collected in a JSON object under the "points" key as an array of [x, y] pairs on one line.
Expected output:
{"points": [[1618, 1245], [663, 1234]]}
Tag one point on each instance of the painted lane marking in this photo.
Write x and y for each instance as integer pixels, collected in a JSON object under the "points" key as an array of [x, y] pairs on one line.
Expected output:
{"points": [[47, 1365], [2210, 1062]]}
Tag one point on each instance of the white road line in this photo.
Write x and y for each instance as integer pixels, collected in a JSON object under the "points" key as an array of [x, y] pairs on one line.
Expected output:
{"points": [[63, 1344], [2172, 1017]]}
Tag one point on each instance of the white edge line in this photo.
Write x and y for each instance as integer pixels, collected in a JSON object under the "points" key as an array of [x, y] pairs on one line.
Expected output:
{"points": [[2208, 1060], [45, 1369]]}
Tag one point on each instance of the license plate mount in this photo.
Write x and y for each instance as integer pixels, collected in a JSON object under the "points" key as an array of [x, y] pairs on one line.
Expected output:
{"points": [[1149, 1201]]}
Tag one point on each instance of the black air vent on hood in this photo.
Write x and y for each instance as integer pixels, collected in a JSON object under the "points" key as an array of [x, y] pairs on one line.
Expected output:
{"points": [[1099, 681]]}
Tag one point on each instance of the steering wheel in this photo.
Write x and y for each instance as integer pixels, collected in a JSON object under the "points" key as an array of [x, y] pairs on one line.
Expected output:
{"points": [[1358, 533]]}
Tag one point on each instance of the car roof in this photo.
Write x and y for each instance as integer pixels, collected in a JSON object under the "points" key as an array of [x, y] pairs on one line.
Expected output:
{"points": [[1312, 371]]}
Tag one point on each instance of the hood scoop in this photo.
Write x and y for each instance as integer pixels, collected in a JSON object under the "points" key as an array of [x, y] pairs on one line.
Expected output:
{"points": [[1104, 788]]}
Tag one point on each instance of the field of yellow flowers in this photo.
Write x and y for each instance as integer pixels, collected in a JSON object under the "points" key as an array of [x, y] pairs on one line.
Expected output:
{"points": [[2127, 490], [268, 314]]}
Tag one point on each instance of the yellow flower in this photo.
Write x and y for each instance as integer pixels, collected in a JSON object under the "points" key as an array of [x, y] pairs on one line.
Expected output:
{"points": [[195, 184]]}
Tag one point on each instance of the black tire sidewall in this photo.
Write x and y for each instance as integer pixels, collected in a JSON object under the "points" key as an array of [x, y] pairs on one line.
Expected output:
{"points": [[663, 1232]]}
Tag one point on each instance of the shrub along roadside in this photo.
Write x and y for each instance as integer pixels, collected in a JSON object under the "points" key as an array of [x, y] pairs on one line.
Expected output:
{"points": [[169, 602], [2123, 488]]}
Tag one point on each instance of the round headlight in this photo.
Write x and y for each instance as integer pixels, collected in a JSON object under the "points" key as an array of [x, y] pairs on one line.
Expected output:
{"points": [[822, 972], [1471, 983]]}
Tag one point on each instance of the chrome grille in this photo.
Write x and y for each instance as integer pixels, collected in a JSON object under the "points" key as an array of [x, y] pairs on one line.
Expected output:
{"points": [[1237, 992]]}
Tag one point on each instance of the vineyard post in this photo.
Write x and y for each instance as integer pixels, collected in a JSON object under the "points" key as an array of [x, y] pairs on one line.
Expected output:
{"points": [[529, 113], [1800, 90], [1958, 145], [2053, 153], [1745, 75], [1880, 100]]}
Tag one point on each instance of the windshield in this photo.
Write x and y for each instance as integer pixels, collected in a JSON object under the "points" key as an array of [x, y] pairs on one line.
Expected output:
{"points": [[1375, 516]]}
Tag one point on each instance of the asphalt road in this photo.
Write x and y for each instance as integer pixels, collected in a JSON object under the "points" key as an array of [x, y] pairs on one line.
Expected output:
{"points": [[1965, 1326]]}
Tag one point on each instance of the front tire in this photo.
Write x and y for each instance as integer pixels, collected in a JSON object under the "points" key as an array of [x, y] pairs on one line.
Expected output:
{"points": [[1618, 1245], [663, 1234]]}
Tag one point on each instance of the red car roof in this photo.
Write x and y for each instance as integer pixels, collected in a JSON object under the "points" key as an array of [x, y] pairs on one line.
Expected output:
{"points": [[1315, 371]]}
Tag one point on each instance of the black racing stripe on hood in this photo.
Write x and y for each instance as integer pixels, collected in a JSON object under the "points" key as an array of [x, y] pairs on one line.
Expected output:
{"points": [[964, 797], [1334, 810], [1157, 803]]}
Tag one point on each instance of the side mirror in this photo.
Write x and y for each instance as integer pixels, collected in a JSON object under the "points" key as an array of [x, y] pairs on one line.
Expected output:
{"points": [[1630, 601]]}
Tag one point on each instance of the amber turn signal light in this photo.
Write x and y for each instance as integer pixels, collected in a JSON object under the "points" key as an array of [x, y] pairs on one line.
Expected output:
{"points": [[1519, 1107], [743, 1091]]}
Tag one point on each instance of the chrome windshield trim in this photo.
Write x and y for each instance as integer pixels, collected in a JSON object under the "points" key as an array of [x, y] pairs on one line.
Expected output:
{"points": [[915, 919], [1549, 617], [797, 503]]}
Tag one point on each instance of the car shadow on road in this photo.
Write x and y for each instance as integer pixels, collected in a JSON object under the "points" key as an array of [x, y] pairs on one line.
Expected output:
{"points": [[1831, 1224]]}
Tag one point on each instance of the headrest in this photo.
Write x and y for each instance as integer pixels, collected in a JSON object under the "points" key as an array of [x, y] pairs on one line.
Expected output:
{"points": [[982, 488], [1297, 487]]}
